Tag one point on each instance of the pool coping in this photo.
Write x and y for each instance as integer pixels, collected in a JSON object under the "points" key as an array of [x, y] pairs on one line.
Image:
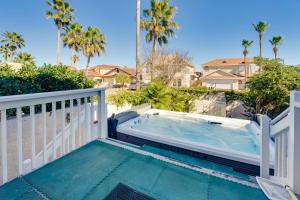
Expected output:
{"points": [[210, 172]]}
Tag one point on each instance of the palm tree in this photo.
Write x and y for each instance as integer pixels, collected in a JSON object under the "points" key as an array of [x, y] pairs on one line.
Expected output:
{"points": [[260, 27], [93, 43], [246, 44], [4, 50], [62, 15], [276, 41], [11, 42], [75, 58], [25, 59], [72, 38], [137, 61], [159, 24]]}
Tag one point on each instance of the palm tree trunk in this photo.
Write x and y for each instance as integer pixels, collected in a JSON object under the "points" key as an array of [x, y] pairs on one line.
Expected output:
{"points": [[275, 52], [260, 44], [138, 8], [58, 47], [153, 57], [88, 62], [245, 71], [72, 56]]}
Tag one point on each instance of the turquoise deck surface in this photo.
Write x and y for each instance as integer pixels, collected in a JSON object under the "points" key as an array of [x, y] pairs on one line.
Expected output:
{"points": [[196, 162], [92, 171]]}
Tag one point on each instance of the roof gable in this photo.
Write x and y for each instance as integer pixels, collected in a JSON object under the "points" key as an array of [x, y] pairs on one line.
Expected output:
{"points": [[219, 74]]}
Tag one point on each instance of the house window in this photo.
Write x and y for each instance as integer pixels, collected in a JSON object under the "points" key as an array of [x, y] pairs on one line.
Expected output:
{"points": [[174, 83], [179, 83]]}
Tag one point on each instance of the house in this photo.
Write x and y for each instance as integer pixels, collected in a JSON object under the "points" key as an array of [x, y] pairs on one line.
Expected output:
{"points": [[173, 69], [227, 73], [105, 75]]}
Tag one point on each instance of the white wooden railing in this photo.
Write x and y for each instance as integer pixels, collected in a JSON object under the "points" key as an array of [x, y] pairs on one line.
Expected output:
{"points": [[284, 130], [54, 124]]}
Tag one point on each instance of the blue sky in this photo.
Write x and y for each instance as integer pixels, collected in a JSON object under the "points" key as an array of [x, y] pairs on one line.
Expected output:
{"points": [[209, 28]]}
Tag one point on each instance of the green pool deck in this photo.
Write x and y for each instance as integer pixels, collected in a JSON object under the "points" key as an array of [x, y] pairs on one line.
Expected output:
{"points": [[196, 162], [93, 171]]}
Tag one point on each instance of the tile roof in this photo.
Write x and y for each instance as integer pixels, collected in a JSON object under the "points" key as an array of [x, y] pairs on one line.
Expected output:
{"points": [[91, 72], [228, 62]]}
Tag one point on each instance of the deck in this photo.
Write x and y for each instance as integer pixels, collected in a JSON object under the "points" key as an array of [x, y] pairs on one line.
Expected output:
{"points": [[94, 170]]}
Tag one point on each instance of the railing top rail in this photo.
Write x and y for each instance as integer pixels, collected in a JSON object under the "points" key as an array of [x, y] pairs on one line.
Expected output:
{"points": [[22, 97], [280, 116]]}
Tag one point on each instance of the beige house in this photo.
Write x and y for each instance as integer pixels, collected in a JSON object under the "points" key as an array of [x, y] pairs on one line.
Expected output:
{"points": [[105, 75], [227, 73], [177, 71]]}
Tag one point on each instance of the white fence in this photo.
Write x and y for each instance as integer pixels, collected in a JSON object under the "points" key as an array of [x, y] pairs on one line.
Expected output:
{"points": [[66, 120], [284, 130]]}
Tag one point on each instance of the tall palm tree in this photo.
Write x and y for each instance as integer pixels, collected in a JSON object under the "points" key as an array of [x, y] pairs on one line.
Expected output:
{"points": [[72, 38], [159, 24], [11, 42], [260, 27], [25, 59], [93, 43], [276, 41], [137, 61], [246, 44], [62, 14]]}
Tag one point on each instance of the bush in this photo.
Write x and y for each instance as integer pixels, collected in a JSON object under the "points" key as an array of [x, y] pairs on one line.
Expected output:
{"points": [[31, 79], [126, 97], [158, 95], [271, 88]]}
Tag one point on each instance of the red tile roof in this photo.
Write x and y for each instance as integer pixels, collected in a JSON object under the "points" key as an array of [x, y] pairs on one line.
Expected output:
{"points": [[228, 62], [91, 72]]}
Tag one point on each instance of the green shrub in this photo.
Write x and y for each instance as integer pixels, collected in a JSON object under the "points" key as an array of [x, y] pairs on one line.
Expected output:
{"points": [[271, 88], [158, 95], [126, 97], [31, 79]]}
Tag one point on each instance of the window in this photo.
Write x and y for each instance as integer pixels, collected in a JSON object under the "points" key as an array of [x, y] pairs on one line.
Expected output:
{"points": [[179, 83]]}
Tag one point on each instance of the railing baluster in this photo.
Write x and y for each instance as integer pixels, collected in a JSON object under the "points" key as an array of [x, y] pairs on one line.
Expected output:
{"points": [[92, 118], [44, 132], [19, 140], [284, 154], [54, 129], [4, 146], [78, 125], [32, 117], [86, 119], [63, 124], [72, 123]]}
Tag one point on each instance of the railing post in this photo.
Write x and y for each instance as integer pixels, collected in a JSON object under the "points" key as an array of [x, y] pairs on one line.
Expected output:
{"points": [[294, 143], [102, 116], [264, 146]]}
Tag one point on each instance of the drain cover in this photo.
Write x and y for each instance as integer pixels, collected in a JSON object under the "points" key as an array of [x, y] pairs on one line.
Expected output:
{"points": [[123, 192]]}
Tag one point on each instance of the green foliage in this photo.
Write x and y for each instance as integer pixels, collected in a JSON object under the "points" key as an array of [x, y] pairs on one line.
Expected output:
{"points": [[126, 97], [159, 96], [159, 22], [25, 59], [271, 88], [61, 12], [267, 64], [31, 79], [123, 79], [10, 42], [93, 43]]}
